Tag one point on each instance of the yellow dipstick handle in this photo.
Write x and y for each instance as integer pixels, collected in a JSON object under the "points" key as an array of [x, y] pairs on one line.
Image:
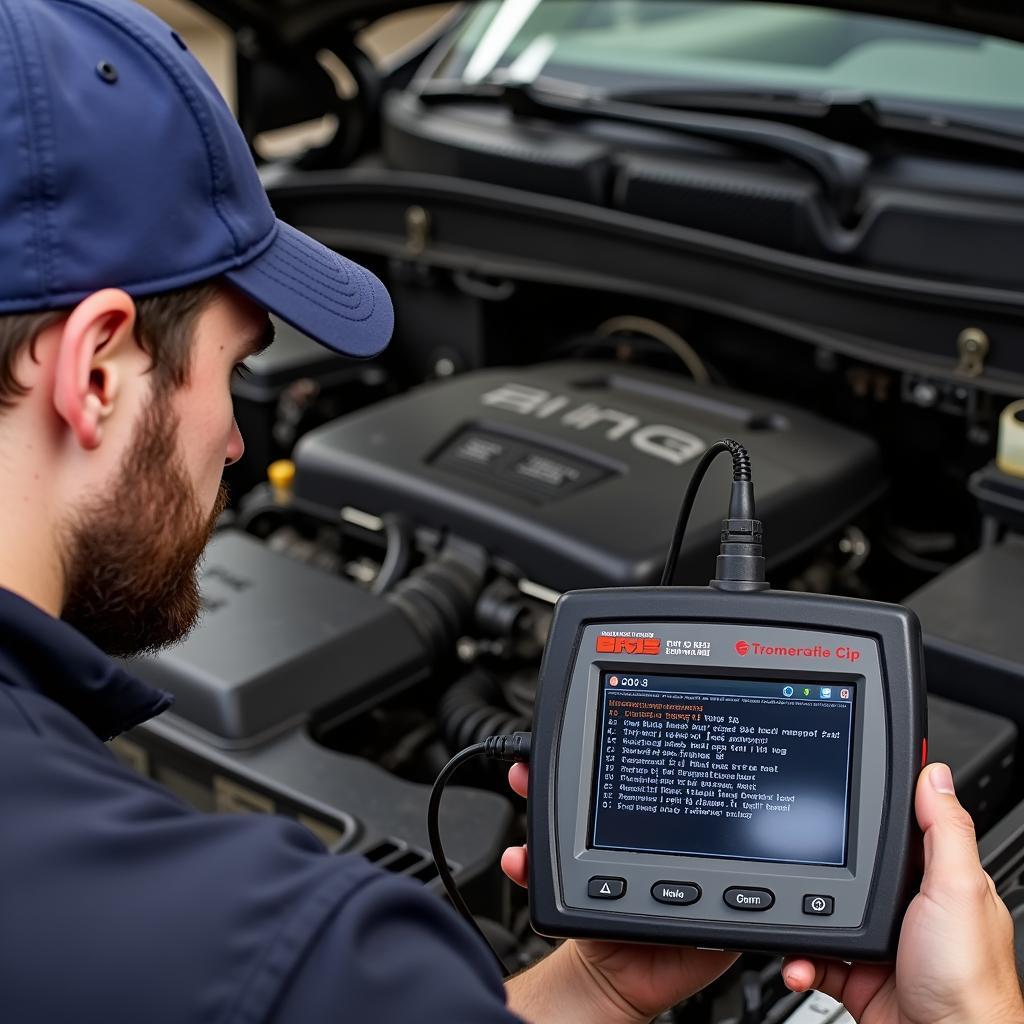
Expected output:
{"points": [[281, 475]]}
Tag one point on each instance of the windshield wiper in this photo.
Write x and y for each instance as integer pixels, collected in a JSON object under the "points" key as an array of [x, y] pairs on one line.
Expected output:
{"points": [[842, 111], [971, 131], [743, 99], [841, 168]]}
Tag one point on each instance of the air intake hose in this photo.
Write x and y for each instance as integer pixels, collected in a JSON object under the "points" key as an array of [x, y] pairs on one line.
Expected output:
{"points": [[439, 597]]}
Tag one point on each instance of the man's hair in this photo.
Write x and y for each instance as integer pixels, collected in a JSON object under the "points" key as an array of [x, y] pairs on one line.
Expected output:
{"points": [[164, 326]]}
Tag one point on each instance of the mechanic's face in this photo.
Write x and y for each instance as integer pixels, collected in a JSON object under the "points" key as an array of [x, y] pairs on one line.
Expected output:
{"points": [[133, 553], [229, 330]]}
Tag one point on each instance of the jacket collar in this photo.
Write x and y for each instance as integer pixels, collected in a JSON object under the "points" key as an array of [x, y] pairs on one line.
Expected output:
{"points": [[41, 653]]}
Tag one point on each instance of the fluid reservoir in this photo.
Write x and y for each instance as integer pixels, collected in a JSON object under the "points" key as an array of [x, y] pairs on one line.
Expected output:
{"points": [[1010, 449]]}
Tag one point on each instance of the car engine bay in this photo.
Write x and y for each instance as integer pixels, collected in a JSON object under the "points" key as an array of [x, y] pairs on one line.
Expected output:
{"points": [[379, 598]]}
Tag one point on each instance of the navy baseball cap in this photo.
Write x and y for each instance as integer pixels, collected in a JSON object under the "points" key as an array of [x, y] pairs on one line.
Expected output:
{"points": [[123, 167]]}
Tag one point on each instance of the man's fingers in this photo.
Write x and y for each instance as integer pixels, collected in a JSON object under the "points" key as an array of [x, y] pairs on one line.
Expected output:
{"points": [[828, 976], [513, 860], [513, 863], [951, 863], [799, 975], [518, 778], [856, 986]]}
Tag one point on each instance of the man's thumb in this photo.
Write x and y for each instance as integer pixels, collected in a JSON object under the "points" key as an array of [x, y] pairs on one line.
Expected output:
{"points": [[951, 862]]}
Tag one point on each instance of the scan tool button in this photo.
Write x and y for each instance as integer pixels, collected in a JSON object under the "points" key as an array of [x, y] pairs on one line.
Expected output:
{"points": [[748, 899], [822, 906], [682, 894], [606, 888]]}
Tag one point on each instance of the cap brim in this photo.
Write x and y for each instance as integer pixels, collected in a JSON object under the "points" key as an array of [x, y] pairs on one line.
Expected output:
{"points": [[335, 301]]}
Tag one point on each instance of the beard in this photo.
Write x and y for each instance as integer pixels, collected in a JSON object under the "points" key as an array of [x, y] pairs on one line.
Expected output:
{"points": [[132, 556]]}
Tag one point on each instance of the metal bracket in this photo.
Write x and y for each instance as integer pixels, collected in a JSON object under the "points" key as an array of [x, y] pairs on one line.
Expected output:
{"points": [[972, 345], [417, 230]]}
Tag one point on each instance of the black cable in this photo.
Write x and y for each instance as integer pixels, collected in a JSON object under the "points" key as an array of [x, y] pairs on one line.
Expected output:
{"points": [[511, 748], [741, 474], [436, 847]]}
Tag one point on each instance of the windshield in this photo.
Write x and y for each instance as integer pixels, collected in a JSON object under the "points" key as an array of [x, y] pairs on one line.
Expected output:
{"points": [[622, 45]]}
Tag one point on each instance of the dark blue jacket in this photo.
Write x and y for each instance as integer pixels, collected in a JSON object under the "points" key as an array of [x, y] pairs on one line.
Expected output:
{"points": [[120, 905]]}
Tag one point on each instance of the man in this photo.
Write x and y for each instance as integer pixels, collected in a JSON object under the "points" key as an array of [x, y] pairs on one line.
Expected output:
{"points": [[138, 258]]}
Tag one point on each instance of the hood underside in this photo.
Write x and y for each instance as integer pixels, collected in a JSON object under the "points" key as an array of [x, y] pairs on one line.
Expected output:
{"points": [[294, 21]]}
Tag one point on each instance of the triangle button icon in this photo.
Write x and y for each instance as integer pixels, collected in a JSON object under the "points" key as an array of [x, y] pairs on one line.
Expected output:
{"points": [[600, 888]]}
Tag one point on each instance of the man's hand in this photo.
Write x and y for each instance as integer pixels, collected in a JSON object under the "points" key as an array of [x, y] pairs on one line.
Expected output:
{"points": [[604, 982], [955, 963]]}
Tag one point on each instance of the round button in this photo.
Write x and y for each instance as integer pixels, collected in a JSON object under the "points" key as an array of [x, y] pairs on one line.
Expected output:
{"points": [[740, 898]]}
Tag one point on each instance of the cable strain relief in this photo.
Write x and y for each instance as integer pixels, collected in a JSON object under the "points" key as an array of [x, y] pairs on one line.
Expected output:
{"points": [[514, 747], [740, 460], [741, 500]]}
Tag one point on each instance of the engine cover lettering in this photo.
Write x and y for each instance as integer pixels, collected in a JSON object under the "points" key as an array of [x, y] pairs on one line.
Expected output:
{"points": [[659, 440]]}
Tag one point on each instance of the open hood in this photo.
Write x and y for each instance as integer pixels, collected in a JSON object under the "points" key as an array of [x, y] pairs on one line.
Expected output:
{"points": [[295, 22], [281, 82]]}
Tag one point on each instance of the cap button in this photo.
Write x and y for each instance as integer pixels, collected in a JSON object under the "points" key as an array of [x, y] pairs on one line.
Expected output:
{"points": [[281, 475]]}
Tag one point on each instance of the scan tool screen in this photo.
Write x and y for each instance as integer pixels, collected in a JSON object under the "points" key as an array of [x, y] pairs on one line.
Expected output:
{"points": [[717, 767]]}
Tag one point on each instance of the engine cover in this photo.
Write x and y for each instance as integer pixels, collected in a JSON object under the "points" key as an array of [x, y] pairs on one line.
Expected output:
{"points": [[574, 471]]}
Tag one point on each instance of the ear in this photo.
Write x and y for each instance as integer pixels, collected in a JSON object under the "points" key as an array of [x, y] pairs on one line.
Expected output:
{"points": [[88, 368]]}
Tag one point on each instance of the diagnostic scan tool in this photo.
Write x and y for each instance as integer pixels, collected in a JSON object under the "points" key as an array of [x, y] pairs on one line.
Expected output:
{"points": [[727, 766]]}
